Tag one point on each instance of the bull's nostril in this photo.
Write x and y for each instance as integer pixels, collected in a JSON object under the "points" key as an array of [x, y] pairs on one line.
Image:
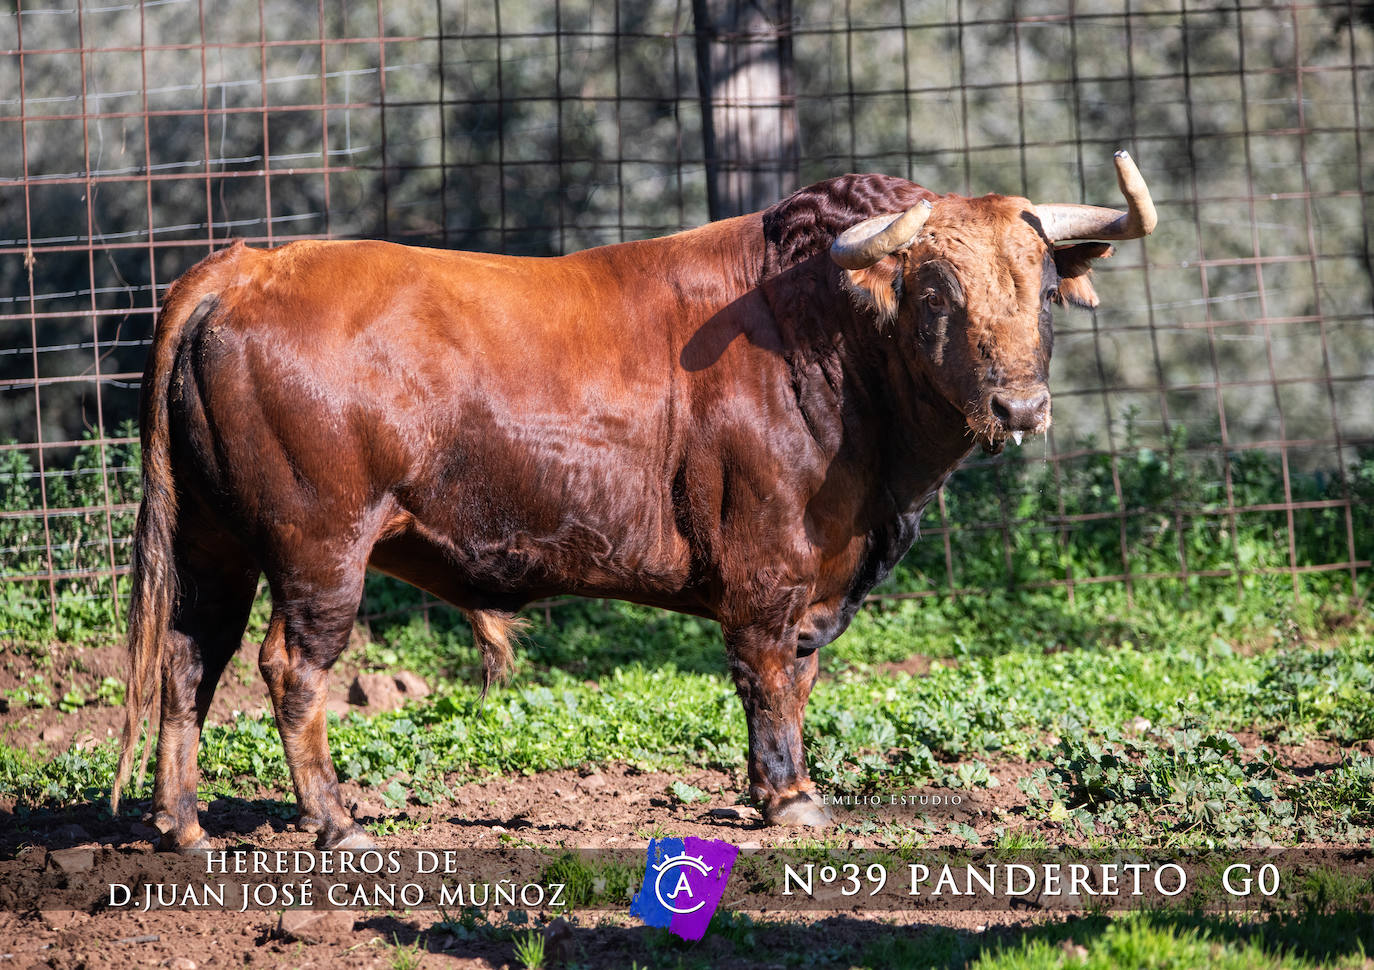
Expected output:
{"points": [[1019, 412]]}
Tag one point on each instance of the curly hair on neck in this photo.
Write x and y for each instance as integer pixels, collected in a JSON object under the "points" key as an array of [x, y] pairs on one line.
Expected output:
{"points": [[808, 220]]}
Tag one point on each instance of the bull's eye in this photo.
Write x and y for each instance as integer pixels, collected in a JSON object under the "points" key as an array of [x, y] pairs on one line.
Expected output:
{"points": [[935, 302]]}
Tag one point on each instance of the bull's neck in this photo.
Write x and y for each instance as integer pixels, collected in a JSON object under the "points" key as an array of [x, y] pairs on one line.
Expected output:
{"points": [[866, 405]]}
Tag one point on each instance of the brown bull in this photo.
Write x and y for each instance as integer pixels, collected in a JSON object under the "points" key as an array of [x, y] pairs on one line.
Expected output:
{"points": [[743, 421]]}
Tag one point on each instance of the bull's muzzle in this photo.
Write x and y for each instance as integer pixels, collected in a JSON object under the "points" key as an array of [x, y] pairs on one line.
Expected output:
{"points": [[1017, 412]]}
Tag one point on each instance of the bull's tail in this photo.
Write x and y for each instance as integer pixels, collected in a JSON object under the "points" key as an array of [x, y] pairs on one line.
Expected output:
{"points": [[154, 574], [493, 633]]}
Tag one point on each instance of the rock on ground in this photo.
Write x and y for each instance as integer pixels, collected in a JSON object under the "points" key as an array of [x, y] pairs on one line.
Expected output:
{"points": [[315, 925], [72, 860], [386, 692]]}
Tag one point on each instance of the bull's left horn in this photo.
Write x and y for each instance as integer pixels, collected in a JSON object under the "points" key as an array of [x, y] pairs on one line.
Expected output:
{"points": [[864, 243], [1063, 222]]}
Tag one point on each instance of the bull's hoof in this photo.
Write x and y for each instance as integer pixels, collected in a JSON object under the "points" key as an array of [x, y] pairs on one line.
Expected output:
{"points": [[351, 840], [199, 848], [187, 839], [186, 843], [801, 809]]}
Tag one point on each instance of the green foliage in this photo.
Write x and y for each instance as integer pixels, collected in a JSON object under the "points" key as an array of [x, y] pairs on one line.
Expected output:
{"points": [[1319, 691], [471, 924], [587, 881], [529, 950], [869, 730], [247, 749], [97, 475], [1344, 796], [688, 794], [1134, 943], [1142, 511], [393, 824], [406, 957], [1161, 939], [1197, 788], [575, 875], [111, 692], [72, 700], [1195, 784], [70, 777], [32, 693]]}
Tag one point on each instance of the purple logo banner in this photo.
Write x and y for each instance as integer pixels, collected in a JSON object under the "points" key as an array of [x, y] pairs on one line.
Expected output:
{"points": [[684, 880]]}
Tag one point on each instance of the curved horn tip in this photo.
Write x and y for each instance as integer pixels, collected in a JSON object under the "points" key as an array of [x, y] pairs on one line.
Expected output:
{"points": [[1133, 187], [1124, 162]]}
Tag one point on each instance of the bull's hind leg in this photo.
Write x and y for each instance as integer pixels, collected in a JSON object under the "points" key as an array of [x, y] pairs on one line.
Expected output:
{"points": [[774, 685], [216, 593], [308, 631]]}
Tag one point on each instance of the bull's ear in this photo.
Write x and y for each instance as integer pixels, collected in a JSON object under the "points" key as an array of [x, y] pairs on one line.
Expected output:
{"points": [[1075, 266], [877, 287]]}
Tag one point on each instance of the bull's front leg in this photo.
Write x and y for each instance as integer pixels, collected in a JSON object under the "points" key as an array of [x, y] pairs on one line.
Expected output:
{"points": [[774, 684]]}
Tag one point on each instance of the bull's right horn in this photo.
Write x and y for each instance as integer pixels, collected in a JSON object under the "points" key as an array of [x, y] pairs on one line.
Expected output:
{"points": [[1065, 221], [864, 243]]}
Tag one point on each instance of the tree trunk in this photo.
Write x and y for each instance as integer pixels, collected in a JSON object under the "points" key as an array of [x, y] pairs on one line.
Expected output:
{"points": [[749, 115]]}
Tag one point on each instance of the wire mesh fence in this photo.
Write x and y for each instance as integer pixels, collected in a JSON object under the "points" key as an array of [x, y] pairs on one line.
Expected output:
{"points": [[1223, 391]]}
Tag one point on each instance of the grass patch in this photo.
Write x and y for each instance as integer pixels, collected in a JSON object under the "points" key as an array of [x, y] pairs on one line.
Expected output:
{"points": [[1160, 939], [1197, 788], [874, 730]]}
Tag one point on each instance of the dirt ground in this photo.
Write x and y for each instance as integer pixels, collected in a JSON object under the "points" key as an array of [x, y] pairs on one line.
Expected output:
{"points": [[618, 807], [614, 807]]}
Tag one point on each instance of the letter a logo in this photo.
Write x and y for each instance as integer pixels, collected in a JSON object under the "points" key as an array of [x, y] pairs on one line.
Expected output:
{"points": [[683, 886], [684, 880]]}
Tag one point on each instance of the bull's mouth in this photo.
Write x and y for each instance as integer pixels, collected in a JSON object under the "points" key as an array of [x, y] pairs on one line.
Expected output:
{"points": [[994, 442]]}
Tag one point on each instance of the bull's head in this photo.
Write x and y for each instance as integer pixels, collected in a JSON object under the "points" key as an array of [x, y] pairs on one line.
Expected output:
{"points": [[966, 285]]}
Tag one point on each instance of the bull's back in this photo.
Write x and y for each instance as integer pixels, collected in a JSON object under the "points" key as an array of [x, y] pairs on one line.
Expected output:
{"points": [[501, 415]]}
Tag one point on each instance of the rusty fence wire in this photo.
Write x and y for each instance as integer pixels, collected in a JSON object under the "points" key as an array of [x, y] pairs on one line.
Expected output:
{"points": [[1223, 391]]}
